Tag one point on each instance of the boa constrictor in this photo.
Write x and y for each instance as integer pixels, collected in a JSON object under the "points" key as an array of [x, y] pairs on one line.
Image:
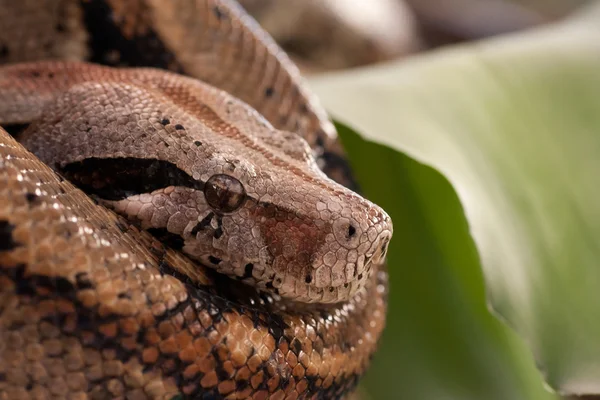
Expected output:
{"points": [[241, 271]]}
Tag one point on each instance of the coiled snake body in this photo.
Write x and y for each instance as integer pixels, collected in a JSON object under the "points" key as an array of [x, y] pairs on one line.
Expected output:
{"points": [[242, 271]]}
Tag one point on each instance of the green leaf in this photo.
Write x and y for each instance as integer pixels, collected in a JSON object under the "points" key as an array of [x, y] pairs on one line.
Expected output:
{"points": [[513, 124], [440, 342]]}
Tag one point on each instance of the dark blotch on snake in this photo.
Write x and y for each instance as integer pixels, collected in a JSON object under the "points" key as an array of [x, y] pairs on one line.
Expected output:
{"points": [[205, 223], [7, 242], [106, 38], [172, 240], [31, 197], [248, 271], [119, 178]]}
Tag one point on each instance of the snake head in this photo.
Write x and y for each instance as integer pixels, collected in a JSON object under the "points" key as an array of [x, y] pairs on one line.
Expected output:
{"points": [[208, 174], [274, 220], [278, 223]]}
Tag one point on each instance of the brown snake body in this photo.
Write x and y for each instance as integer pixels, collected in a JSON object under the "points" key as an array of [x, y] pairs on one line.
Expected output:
{"points": [[92, 306]]}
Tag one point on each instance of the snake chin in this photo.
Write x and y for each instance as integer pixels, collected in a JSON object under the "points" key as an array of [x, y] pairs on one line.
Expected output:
{"points": [[288, 287]]}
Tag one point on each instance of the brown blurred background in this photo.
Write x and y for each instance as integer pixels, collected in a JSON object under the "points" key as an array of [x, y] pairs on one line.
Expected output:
{"points": [[334, 34]]}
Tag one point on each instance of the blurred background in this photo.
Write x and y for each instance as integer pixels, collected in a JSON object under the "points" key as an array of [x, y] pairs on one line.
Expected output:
{"points": [[326, 35], [490, 109]]}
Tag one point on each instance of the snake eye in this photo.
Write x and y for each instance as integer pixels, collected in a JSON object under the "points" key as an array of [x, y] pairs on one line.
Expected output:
{"points": [[224, 193]]}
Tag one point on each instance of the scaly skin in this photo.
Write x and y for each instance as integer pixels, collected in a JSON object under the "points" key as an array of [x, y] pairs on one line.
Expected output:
{"points": [[90, 307], [212, 40]]}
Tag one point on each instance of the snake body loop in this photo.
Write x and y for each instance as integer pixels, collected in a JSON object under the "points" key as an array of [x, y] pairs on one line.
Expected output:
{"points": [[241, 271]]}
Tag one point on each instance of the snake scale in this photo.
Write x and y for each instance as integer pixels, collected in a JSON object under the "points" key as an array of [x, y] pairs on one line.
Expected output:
{"points": [[234, 267]]}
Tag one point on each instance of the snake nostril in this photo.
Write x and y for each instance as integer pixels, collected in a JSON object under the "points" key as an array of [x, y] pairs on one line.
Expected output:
{"points": [[347, 232], [351, 230]]}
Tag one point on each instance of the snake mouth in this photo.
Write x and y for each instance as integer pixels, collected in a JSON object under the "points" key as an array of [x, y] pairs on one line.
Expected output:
{"points": [[379, 249]]}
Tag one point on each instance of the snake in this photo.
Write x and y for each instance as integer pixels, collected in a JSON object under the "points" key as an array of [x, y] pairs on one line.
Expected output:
{"points": [[180, 222]]}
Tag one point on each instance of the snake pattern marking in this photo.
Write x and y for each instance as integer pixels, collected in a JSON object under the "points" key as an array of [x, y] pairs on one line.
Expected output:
{"points": [[241, 271]]}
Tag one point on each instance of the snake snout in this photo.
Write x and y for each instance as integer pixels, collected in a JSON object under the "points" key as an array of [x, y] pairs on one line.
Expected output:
{"points": [[364, 231], [361, 241]]}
